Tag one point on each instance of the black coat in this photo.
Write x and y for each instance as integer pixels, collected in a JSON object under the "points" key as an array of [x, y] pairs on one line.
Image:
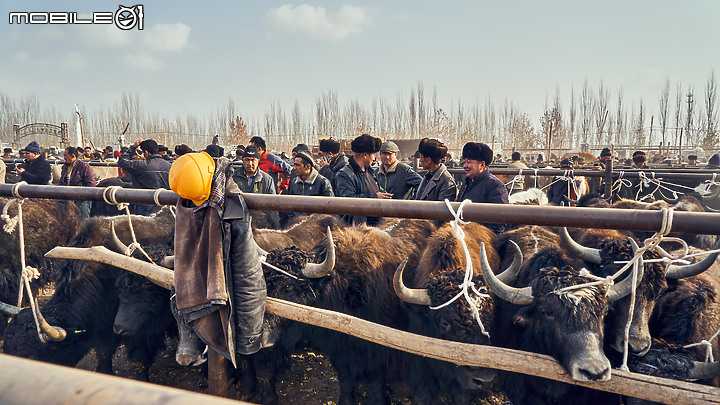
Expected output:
{"points": [[37, 171], [485, 188], [330, 171], [149, 174], [350, 182]]}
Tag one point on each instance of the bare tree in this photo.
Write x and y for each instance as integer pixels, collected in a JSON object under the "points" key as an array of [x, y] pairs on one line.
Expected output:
{"points": [[678, 112], [664, 110], [600, 112], [710, 140], [585, 111]]}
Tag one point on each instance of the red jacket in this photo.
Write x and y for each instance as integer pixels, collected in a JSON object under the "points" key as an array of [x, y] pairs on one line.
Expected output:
{"points": [[273, 165]]}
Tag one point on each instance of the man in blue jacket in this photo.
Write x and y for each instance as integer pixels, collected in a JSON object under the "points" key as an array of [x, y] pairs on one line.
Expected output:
{"points": [[480, 186]]}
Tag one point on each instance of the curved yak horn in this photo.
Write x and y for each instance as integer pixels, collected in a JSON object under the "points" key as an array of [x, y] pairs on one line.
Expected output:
{"points": [[317, 270], [519, 296], [53, 333], [419, 296], [119, 245], [688, 270], [511, 272], [625, 287], [704, 371], [588, 254]]}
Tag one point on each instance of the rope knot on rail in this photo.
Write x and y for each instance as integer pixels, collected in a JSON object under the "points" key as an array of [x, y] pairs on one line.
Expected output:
{"points": [[468, 284]]}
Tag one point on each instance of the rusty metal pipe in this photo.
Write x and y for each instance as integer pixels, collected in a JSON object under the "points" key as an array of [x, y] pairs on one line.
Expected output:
{"points": [[30, 382], [580, 217]]}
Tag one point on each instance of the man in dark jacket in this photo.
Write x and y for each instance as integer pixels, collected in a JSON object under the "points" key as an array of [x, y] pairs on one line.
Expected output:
{"points": [[151, 173], [37, 169], [480, 185], [249, 177], [395, 177], [307, 181], [332, 160], [357, 179], [76, 172], [272, 164], [438, 184]]}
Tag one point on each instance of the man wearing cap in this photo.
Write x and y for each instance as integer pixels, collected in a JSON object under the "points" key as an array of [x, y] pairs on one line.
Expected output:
{"points": [[395, 177], [307, 181], [563, 188], [357, 179], [692, 160], [272, 164], [332, 160], [163, 151], [151, 173], [249, 177], [7, 153], [480, 186], [37, 169], [438, 184]]}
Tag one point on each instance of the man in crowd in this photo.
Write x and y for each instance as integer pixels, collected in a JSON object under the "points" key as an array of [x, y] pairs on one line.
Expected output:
{"points": [[239, 152], [108, 153], [151, 173], [332, 160], [163, 151], [480, 186], [639, 159], [438, 184], [37, 169], [563, 189], [87, 154], [396, 177], [272, 164], [357, 180], [249, 178], [7, 153], [692, 160], [519, 184], [76, 172], [307, 180]]}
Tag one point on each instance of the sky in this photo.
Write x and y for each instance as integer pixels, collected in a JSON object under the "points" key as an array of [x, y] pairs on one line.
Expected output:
{"points": [[192, 57]]}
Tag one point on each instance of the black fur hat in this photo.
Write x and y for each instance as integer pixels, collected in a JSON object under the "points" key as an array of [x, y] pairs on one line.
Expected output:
{"points": [[366, 144], [329, 145], [433, 149], [478, 151]]}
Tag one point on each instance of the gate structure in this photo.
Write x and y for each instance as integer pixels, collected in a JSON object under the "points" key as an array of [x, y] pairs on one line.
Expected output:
{"points": [[60, 131]]}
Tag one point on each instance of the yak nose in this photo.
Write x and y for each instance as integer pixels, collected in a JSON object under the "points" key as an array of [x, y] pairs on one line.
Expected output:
{"points": [[639, 347], [592, 370], [119, 329]]}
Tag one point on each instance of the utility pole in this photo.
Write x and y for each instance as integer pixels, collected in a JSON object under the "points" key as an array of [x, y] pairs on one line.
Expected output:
{"points": [[688, 138]]}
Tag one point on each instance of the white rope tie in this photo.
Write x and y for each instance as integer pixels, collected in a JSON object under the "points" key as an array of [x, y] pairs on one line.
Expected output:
{"points": [[109, 197], [262, 260], [27, 273], [467, 284], [517, 178]]}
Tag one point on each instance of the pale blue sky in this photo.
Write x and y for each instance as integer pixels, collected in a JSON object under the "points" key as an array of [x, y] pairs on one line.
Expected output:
{"points": [[192, 56]]}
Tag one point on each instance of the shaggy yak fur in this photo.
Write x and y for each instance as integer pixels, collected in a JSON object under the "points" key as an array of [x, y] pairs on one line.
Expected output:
{"points": [[46, 224], [360, 285], [548, 325], [303, 232], [440, 271], [87, 297]]}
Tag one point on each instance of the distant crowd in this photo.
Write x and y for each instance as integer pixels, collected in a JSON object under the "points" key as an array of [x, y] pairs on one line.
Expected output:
{"points": [[371, 170]]}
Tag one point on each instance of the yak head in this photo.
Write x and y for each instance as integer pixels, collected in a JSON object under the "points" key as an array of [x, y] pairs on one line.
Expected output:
{"points": [[550, 318]]}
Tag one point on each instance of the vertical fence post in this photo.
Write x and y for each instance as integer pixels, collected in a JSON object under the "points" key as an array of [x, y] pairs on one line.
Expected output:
{"points": [[608, 179], [217, 374]]}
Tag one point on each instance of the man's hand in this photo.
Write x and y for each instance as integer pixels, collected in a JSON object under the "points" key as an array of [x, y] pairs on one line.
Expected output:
{"points": [[323, 162], [20, 170], [384, 196]]}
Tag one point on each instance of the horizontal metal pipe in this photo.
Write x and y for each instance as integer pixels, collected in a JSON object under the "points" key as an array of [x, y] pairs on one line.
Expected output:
{"points": [[30, 382], [604, 218]]}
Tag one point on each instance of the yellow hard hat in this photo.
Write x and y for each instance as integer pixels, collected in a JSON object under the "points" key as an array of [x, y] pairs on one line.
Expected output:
{"points": [[191, 176]]}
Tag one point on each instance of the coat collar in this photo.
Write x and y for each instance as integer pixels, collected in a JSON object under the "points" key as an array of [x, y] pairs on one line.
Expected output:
{"points": [[311, 178]]}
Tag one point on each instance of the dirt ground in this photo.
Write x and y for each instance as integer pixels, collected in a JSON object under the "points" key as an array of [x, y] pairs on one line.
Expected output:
{"points": [[310, 379]]}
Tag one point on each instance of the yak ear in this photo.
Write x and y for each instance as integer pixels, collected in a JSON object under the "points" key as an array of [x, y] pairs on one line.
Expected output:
{"points": [[521, 320]]}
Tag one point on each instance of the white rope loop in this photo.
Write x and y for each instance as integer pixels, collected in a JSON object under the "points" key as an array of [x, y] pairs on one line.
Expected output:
{"points": [[467, 282]]}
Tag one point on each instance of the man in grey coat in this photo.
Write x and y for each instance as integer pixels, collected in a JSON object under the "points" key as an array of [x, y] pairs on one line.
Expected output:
{"points": [[395, 177], [438, 184], [307, 181], [249, 178]]}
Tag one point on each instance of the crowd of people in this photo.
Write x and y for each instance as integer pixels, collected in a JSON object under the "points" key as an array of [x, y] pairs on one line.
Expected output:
{"points": [[371, 170]]}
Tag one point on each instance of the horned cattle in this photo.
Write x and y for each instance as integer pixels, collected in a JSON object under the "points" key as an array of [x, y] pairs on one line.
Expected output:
{"points": [[303, 232], [84, 306]]}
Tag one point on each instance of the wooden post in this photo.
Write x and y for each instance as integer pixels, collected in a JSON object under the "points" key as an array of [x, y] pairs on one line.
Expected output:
{"points": [[217, 374], [608, 179]]}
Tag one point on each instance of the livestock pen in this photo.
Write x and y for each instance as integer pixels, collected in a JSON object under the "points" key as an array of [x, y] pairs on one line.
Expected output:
{"points": [[626, 383]]}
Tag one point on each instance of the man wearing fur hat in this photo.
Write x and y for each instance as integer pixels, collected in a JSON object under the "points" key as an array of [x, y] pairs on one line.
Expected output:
{"points": [[332, 160], [37, 169], [357, 179], [438, 184], [480, 186]]}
